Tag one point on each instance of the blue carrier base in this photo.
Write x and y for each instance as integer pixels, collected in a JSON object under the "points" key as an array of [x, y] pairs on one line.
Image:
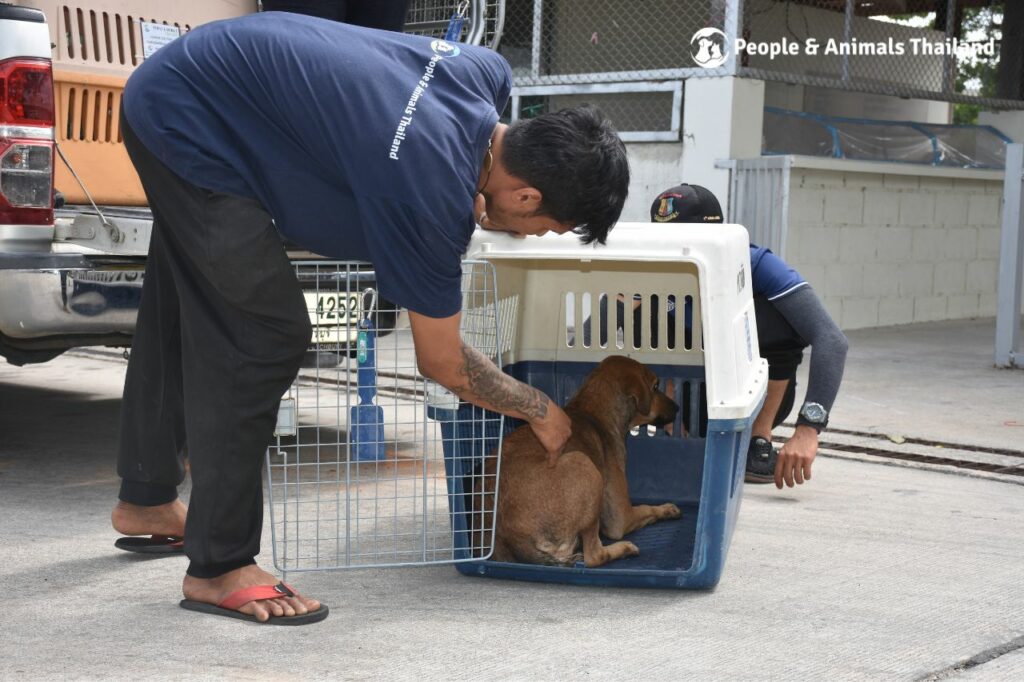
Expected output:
{"points": [[701, 475]]}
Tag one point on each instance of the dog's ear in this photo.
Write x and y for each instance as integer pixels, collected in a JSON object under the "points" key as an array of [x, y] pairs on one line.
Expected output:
{"points": [[640, 391]]}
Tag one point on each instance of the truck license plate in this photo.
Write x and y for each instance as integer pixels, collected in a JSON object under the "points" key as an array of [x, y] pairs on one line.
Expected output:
{"points": [[333, 315]]}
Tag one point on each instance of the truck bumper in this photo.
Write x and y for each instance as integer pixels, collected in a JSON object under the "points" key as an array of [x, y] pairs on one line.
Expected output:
{"points": [[57, 301]]}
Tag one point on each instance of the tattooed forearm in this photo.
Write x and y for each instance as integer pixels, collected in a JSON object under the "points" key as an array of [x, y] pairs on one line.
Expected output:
{"points": [[482, 378]]}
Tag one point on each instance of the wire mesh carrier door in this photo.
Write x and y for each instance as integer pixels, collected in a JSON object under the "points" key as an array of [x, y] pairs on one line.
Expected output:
{"points": [[370, 464]]}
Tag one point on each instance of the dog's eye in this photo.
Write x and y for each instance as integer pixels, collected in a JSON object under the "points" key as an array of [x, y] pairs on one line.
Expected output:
{"points": [[655, 387]]}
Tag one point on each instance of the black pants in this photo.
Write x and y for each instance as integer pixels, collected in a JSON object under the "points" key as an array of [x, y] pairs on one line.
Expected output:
{"points": [[782, 347], [221, 332], [385, 14]]}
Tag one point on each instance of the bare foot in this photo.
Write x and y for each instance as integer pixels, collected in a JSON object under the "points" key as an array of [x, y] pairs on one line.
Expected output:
{"points": [[165, 519], [215, 590]]}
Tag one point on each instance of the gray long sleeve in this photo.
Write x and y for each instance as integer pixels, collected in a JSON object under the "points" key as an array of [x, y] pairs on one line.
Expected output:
{"points": [[808, 317]]}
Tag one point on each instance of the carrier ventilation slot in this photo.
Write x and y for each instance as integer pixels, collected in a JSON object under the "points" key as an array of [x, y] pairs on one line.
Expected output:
{"points": [[90, 114], [100, 37], [625, 327]]}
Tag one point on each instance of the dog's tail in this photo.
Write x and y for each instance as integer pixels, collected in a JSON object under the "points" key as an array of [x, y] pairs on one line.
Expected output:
{"points": [[554, 553]]}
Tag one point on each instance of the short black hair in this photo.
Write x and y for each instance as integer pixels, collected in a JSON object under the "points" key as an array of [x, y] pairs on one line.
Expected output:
{"points": [[579, 164]]}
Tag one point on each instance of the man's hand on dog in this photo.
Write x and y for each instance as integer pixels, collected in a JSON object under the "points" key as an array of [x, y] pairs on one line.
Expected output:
{"points": [[552, 430], [796, 457]]}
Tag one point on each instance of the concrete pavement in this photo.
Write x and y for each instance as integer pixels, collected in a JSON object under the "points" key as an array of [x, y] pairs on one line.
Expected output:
{"points": [[934, 380], [867, 572]]}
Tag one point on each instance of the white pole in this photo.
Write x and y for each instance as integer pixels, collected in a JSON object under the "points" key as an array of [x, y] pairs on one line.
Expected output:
{"points": [[1011, 263]]}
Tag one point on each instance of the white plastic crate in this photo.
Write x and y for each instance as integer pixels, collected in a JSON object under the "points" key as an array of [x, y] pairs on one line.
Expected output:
{"points": [[566, 306], [548, 286]]}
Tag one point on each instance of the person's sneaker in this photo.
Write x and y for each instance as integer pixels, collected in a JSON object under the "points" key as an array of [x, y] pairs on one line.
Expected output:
{"points": [[761, 459]]}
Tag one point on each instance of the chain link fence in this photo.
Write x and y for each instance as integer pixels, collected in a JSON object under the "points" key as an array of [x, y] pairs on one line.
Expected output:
{"points": [[615, 54], [945, 50], [938, 50], [550, 42], [931, 49]]}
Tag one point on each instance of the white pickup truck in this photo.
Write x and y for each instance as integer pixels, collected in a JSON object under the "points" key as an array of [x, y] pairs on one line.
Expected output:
{"points": [[71, 273]]}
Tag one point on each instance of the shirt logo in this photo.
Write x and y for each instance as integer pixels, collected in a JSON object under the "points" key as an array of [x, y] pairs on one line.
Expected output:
{"points": [[443, 48]]}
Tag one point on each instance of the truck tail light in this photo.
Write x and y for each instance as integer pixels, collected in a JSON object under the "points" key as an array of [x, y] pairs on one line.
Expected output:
{"points": [[26, 93], [26, 142]]}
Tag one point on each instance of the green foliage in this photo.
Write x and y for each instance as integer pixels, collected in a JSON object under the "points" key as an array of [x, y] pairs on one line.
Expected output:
{"points": [[979, 76]]}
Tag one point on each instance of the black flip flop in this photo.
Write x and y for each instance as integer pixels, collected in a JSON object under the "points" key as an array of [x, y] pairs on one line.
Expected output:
{"points": [[233, 601], [154, 544]]}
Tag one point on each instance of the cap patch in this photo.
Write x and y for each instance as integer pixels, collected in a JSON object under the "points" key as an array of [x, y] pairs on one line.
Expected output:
{"points": [[666, 209]]}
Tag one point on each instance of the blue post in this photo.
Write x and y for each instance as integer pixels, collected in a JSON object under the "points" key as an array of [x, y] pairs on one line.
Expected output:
{"points": [[366, 423]]}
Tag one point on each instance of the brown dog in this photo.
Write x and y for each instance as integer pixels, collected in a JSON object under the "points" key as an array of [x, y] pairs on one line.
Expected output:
{"points": [[547, 514]]}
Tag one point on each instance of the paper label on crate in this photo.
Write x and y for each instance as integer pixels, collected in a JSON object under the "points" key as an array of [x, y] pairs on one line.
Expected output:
{"points": [[155, 36]]}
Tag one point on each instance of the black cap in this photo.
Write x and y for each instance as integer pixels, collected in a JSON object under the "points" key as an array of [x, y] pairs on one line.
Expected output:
{"points": [[686, 204]]}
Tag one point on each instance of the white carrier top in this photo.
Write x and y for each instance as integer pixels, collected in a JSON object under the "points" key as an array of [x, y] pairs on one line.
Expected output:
{"points": [[555, 299]]}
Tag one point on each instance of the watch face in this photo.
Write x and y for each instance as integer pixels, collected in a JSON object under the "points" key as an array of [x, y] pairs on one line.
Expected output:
{"points": [[814, 412]]}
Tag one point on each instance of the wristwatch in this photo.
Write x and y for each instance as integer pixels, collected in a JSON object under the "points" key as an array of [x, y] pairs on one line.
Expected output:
{"points": [[813, 415]]}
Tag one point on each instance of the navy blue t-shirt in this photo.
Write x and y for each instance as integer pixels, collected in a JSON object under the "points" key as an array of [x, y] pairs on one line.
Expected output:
{"points": [[362, 144], [770, 276]]}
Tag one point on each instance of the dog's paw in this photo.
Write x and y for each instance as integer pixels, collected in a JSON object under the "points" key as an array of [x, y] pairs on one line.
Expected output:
{"points": [[670, 511], [630, 549]]}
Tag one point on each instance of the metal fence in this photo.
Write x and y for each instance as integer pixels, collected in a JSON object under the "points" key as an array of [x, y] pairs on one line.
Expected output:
{"points": [[559, 48], [861, 45], [615, 54], [864, 46], [550, 42]]}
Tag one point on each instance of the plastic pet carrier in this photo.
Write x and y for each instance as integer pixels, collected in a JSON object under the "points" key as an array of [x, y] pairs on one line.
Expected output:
{"points": [[678, 299]]}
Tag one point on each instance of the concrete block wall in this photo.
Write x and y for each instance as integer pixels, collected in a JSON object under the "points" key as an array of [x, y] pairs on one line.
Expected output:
{"points": [[886, 248]]}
